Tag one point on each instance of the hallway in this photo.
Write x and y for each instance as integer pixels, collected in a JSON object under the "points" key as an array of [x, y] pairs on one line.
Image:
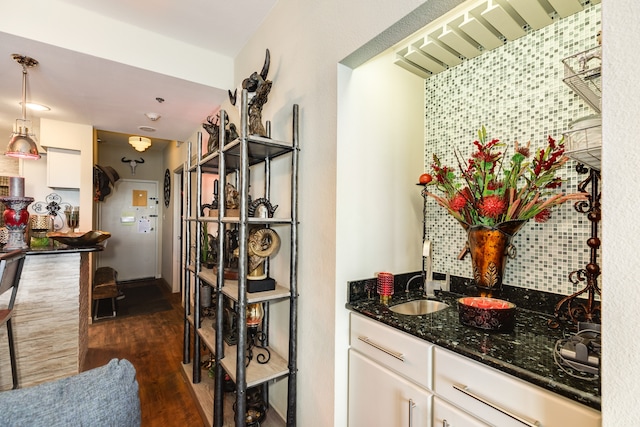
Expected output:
{"points": [[153, 344]]}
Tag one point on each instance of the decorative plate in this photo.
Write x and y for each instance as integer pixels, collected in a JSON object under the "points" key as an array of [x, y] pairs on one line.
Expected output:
{"points": [[88, 238], [167, 187]]}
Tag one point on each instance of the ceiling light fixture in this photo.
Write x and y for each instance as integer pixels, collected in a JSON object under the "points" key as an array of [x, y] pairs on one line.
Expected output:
{"points": [[22, 144], [37, 107], [140, 143]]}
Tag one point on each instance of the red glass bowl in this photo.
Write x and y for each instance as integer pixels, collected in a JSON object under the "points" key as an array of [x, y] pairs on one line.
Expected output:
{"points": [[490, 314]]}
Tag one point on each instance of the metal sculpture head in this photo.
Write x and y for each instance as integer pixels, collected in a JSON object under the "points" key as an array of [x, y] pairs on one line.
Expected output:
{"points": [[132, 164], [252, 82]]}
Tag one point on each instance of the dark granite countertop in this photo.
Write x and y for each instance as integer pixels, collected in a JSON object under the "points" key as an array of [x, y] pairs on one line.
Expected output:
{"points": [[526, 352]]}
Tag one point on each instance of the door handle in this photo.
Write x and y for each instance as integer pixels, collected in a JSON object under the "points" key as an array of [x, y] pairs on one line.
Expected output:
{"points": [[412, 405]]}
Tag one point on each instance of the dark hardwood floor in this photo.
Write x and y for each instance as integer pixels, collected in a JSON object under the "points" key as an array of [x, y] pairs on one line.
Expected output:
{"points": [[153, 344]]}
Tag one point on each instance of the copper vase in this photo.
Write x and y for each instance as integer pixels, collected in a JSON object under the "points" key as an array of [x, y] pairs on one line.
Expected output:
{"points": [[489, 248]]}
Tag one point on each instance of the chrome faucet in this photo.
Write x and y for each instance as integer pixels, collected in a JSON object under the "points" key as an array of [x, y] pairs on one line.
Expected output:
{"points": [[430, 286], [417, 276]]}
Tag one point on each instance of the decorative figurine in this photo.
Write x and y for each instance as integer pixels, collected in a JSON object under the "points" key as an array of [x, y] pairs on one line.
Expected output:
{"points": [[257, 85]]}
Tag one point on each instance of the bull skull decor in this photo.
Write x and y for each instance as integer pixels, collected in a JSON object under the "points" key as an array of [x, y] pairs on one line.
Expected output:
{"points": [[133, 163]]}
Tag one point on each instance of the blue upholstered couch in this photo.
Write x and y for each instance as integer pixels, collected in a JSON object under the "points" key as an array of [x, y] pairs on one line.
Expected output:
{"points": [[105, 396]]}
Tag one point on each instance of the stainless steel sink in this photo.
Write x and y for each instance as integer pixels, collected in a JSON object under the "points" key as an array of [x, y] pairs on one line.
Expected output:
{"points": [[418, 307]]}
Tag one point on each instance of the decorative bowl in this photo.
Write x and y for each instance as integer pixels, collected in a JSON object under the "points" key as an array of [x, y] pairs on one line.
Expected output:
{"points": [[81, 239], [490, 314]]}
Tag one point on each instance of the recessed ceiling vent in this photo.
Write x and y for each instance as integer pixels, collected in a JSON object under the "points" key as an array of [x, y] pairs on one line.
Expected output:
{"points": [[147, 128], [475, 27]]}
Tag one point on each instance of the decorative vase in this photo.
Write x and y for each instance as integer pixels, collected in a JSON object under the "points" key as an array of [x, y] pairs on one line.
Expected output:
{"points": [[489, 248]]}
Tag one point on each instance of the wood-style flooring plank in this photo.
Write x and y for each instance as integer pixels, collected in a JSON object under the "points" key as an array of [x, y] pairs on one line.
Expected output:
{"points": [[153, 344]]}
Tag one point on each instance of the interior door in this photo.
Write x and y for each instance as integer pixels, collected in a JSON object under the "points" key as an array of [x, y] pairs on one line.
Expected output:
{"points": [[130, 214]]}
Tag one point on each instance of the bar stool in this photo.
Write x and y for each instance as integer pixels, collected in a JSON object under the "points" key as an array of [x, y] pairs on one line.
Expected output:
{"points": [[10, 270]]}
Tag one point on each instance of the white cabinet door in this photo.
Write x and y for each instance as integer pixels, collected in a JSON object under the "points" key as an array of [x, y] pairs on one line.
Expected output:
{"points": [[379, 397], [447, 415], [63, 168]]}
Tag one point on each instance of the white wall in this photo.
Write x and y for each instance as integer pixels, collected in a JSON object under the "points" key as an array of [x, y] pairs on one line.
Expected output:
{"points": [[620, 225], [380, 149], [75, 29]]}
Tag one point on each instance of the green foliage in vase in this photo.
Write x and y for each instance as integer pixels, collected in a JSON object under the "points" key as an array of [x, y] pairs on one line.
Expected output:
{"points": [[491, 188]]}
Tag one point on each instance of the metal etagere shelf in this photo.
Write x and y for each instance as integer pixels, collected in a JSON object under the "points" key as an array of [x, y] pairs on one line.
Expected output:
{"points": [[233, 160]]}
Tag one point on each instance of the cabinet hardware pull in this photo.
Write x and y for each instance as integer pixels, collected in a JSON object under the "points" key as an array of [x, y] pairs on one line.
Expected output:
{"points": [[445, 423], [412, 405], [395, 354], [464, 389]]}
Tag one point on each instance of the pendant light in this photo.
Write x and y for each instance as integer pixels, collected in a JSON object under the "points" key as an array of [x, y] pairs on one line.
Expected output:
{"points": [[22, 144], [139, 143]]}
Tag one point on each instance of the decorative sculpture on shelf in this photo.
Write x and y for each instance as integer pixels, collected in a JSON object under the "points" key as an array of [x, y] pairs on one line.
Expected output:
{"points": [[261, 208], [263, 242], [212, 126], [232, 197], [259, 87], [255, 109]]}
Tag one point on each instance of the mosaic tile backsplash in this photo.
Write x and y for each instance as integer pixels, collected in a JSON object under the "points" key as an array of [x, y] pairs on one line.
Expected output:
{"points": [[515, 91]]}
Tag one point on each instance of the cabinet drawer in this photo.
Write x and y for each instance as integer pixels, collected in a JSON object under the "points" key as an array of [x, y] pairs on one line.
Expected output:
{"points": [[502, 399], [400, 352], [447, 415]]}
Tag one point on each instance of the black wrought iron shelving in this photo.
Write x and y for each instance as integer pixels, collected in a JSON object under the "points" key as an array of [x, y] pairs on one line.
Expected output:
{"points": [[235, 158]]}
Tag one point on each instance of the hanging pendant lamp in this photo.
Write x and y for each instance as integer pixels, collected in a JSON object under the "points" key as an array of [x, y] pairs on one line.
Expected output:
{"points": [[22, 144], [139, 143]]}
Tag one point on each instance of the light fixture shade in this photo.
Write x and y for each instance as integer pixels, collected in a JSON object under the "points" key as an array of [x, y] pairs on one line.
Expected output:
{"points": [[139, 143], [22, 146]]}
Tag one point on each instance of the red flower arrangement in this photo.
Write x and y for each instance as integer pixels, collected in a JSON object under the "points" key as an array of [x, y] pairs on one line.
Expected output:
{"points": [[489, 191]]}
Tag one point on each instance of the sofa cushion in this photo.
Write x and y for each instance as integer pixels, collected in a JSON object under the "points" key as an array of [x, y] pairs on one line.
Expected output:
{"points": [[104, 396]]}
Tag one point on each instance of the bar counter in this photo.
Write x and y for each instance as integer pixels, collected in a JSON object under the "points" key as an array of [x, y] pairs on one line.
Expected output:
{"points": [[51, 316]]}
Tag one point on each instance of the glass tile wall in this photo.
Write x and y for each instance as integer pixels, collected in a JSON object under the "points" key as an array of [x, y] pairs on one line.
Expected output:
{"points": [[516, 92]]}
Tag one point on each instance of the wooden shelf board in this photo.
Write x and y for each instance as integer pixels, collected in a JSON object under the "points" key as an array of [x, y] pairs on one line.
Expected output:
{"points": [[208, 334], [230, 289], [208, 276], [256, 373], [202, 393]]}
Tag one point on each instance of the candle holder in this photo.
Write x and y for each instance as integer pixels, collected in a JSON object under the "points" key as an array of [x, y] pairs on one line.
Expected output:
{"points": [[73, 218], [16, 218], [574, 309], [256, 339]]}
